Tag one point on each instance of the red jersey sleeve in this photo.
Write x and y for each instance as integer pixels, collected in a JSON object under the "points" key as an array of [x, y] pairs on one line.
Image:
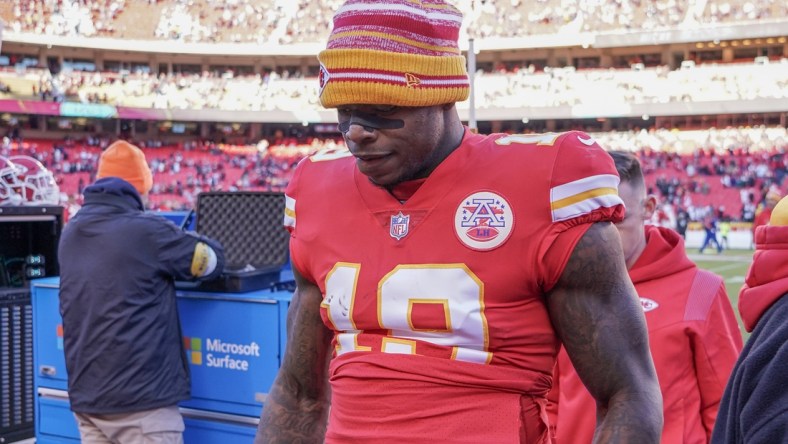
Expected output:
{"points": [[291, 199], [584, 183], [583, 190]]}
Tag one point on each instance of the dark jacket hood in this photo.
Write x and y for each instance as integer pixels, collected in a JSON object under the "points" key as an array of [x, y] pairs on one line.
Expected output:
{"points": [[109, 189]]}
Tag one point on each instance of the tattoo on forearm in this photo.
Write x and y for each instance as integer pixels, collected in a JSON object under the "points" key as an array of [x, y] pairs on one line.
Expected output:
{"points": [[596, 312], [297, 405]]}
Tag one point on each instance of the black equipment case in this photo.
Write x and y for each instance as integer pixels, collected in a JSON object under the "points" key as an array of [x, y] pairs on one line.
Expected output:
{"points": [[29, 237], [17, 418], [249, 227]]}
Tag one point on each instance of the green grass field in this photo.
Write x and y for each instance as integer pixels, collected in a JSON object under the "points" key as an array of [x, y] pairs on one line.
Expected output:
{"points": [[732, 265]]}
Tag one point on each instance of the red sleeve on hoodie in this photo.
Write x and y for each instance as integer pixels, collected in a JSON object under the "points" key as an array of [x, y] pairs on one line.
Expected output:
{"points": [[716, 343]]}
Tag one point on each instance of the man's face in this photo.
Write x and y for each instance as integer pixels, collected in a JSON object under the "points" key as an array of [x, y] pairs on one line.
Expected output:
{"points": [[389, 156], [639, 209]]}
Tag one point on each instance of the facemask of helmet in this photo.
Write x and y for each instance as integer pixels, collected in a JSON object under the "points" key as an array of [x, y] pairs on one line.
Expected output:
{"points": [[9, 183]]}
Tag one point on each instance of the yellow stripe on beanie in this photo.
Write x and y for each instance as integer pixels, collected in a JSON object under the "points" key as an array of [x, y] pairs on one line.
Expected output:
{"points": [[384, 78]]}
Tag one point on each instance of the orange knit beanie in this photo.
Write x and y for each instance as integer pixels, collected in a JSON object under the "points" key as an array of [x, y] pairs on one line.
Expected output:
{"points": [[127, 162]]}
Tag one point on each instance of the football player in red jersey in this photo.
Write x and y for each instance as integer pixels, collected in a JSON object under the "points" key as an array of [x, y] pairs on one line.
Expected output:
{"points": [[439, 270]]}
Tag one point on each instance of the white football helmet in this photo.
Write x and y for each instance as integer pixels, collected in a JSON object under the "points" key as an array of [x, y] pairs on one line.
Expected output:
{"points": [[35, 183]]}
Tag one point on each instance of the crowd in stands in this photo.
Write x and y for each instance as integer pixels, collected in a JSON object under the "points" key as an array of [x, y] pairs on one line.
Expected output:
{"points": [[733, 165], [487, 18], [724, 173], [68, 17], [600, 88], [284, 22], [180, 171], [521, 87], [510, 86]]}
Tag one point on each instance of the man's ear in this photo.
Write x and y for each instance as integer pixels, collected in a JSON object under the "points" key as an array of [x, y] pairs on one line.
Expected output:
{"points": [[649, 206]]}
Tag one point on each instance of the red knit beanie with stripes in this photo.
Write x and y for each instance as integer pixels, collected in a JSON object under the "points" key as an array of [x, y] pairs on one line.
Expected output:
{"points": [[394, 52]]}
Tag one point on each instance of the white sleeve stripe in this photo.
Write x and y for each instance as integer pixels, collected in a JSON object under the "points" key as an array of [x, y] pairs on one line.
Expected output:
{"points": [[586, 206], [289, 221], [211, 265], [290, 215], [561, 192]]}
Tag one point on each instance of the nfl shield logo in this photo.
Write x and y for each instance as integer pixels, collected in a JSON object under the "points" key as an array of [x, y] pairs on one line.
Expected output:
{"points": [[399, 226]]}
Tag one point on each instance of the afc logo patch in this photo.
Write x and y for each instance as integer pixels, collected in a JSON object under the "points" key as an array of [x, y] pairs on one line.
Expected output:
{"points": [[323, 77], [399, 226], [483, 221]]}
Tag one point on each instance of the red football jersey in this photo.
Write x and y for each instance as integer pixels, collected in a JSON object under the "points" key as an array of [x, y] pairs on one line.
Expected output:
{"points": [[437, 303]]}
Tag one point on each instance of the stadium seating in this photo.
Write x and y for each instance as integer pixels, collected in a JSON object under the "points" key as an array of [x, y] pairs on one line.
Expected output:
{"points": [[690, 158], [552, 87], [283, 22], [711, 172]]}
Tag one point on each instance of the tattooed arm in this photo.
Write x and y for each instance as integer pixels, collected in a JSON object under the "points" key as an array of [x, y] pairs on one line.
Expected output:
{"points": [[594, 309], [296, 409]]}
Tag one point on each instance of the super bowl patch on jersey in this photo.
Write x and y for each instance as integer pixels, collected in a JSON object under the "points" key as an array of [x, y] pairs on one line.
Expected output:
{"points": [[483, 221]]}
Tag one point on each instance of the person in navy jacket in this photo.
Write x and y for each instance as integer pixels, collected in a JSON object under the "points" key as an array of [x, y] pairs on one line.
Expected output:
{"points": [[126, 362]]}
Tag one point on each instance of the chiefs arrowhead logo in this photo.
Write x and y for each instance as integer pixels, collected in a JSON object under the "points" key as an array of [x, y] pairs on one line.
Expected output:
{"points": [[648, 304]]}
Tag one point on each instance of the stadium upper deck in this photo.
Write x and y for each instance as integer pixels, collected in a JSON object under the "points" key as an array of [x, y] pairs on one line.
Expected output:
{"points": [[284, 22], [541, 63]]}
